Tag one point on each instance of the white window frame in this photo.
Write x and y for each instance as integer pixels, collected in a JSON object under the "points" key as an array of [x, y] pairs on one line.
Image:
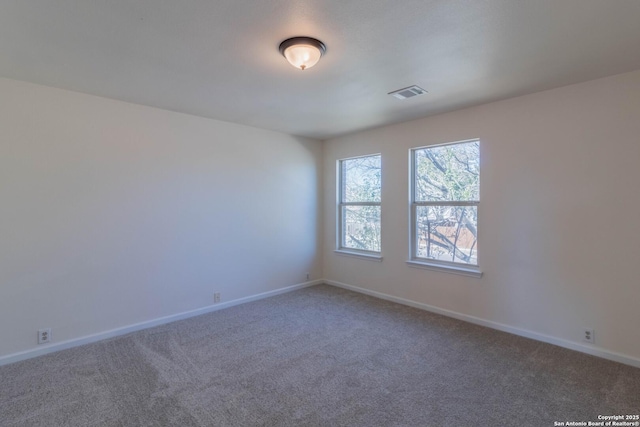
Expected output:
{"points": [[432, 264], [340, 248]]}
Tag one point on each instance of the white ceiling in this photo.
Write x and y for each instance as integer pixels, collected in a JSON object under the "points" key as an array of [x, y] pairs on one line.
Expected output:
{"points": [[220, 59]]}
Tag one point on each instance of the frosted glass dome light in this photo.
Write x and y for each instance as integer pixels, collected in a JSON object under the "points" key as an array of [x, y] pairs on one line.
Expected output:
{"points": [[302, 52]]}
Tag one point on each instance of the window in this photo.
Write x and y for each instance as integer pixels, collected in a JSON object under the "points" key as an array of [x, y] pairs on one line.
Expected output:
{"points": [[445, 195], [359, 189]]}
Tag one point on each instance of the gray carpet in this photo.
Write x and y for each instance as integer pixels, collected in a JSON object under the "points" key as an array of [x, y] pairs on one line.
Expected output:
{"points": [[320, 356]]}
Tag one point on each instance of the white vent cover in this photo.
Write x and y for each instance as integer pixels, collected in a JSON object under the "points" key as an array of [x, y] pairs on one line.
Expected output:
{"points": [[408, 92]]}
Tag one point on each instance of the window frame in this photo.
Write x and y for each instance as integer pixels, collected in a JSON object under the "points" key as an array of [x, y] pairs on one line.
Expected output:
{"points": [[340, 204], [472, 270]]}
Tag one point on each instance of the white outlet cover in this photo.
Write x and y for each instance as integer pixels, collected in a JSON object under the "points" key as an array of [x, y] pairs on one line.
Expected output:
{"points": [[44, 336]]}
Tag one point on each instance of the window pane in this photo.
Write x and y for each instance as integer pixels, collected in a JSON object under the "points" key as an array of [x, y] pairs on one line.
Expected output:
{"points": [[361, 179], [361, 227], [448, 173], [447, 233]]}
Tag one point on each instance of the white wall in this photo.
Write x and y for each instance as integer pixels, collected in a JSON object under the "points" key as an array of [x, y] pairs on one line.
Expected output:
{"points": [[113, 213], [559, 231]]}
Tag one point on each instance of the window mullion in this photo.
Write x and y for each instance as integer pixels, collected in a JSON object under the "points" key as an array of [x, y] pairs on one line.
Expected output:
{"points": [[447, 203], [360, 204]]}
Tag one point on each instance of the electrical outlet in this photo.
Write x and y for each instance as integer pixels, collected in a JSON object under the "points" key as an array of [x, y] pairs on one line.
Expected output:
{"points": [[216, 297], [307, 275], [588, 336], [44, 336]]}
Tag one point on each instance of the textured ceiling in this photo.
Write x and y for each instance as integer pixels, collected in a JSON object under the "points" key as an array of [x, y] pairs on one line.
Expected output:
{"points": [[220, 59]]}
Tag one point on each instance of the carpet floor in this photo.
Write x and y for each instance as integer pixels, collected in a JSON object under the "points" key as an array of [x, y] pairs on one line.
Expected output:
{"points": [[320, 356]]}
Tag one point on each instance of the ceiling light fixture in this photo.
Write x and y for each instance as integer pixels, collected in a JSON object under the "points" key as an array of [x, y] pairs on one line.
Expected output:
{"points": [[302, 52]]}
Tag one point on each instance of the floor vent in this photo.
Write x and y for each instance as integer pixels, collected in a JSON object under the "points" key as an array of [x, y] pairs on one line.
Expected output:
{"points": [[408, 92]]}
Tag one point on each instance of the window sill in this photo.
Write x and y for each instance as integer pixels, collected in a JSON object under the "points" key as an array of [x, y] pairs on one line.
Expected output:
{"points": [[361, 255], [452, 269]]}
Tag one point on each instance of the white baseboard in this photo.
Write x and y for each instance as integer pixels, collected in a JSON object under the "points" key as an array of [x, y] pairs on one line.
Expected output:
{"points": [[594, 351], [28, 354]]}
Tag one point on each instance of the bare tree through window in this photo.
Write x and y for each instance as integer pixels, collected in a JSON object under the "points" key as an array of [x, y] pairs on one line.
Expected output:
{"points": [[359, 203], [446, 194]]}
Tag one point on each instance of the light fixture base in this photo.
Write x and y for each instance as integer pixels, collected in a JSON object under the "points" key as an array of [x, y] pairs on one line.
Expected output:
{"points": [[302, 40]]}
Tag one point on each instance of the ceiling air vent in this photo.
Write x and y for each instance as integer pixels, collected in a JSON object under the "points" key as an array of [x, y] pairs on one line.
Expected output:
{"points": [[408, 92]]}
